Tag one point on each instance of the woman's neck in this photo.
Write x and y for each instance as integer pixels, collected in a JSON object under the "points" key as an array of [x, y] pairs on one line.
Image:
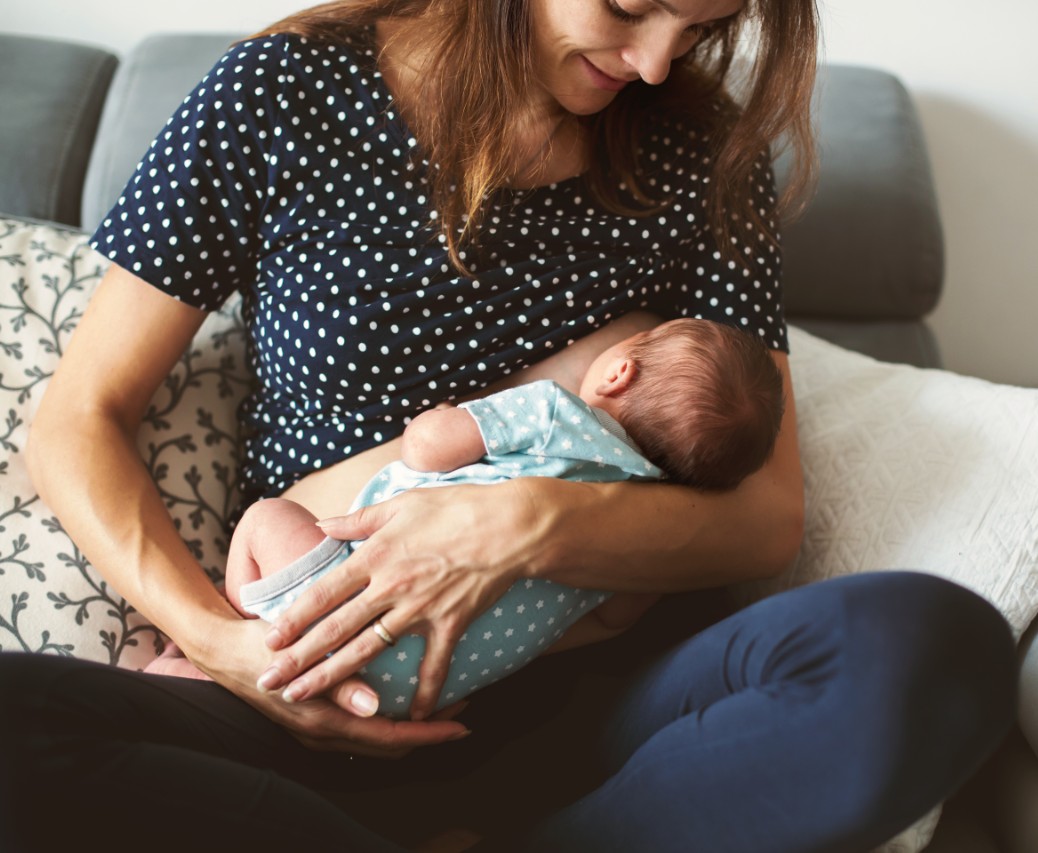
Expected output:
{"points": [[551, 141]]}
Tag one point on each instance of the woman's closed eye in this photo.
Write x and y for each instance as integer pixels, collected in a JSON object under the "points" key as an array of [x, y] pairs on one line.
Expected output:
{"points": [[619, 12], [697, 31]]}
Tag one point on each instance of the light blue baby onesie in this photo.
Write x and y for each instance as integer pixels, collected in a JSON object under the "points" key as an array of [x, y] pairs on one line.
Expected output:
{"points": [[535, 430]]}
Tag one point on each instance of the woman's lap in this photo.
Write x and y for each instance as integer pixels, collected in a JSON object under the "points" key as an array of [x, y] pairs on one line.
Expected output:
{"points": [[827, 718], [848, 694]]}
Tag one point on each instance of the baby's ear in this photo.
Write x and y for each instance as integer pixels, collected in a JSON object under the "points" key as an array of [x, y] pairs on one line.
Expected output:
{"points": [[617, 377]]}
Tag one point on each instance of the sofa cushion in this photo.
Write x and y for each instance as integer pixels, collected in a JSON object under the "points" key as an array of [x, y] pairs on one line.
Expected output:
{"points": [[870, 245], [913, 468], [51, 92], [52, 599]]}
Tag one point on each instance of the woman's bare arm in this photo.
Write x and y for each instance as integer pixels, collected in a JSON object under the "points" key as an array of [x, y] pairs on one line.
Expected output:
{"points": [[84, 461]]}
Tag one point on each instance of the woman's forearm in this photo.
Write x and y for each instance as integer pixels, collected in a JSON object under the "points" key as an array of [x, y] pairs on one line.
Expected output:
{"points": [[94, 480], [650, 537], [85, 463]]}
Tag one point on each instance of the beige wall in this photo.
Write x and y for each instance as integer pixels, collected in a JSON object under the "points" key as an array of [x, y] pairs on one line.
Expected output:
{"points": [[972, 68]]}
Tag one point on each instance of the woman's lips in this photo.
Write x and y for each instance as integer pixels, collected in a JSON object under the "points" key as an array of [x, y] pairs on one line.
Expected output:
{"points": [[602, 80]]}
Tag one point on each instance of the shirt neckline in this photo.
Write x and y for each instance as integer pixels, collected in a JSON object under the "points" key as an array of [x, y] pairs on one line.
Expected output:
{"points": [[397, 125]]}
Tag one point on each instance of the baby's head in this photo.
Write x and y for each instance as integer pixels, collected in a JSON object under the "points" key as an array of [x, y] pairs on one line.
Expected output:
{"points": [[702, 400]]}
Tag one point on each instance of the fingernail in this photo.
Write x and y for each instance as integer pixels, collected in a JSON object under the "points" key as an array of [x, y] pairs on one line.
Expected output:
{"points": [[274, 639], [461, 735], [365, 703], [294, 692], [418, 716], [269, 679], [326, 522]]}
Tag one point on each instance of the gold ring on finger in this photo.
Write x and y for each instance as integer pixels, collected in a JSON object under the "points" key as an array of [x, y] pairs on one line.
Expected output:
{"points": [[383, 633]]}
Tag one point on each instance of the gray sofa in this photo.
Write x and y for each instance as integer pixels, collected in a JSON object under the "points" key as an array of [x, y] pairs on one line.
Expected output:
{"points": [[864, 264]]}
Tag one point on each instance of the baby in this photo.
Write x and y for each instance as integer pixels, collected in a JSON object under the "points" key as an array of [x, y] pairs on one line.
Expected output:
{"points": [[691, 401]]}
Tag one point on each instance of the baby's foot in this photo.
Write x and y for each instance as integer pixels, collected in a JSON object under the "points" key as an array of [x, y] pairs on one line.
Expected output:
{"points": [[172, 661]]}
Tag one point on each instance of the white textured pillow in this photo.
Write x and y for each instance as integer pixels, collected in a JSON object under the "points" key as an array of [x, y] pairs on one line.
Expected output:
{"points": [[51, 599], [914, 469], [907, 468]]}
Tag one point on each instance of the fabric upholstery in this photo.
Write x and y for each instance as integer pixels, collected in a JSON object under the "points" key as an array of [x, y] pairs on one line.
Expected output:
{"points": [[47, 131]]}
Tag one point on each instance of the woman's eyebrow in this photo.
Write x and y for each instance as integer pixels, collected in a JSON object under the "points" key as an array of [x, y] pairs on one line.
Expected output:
{"points": [[676, 13]]}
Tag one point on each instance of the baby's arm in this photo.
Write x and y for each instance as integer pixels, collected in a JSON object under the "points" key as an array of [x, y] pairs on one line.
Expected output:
{"points": [[442, 439]]}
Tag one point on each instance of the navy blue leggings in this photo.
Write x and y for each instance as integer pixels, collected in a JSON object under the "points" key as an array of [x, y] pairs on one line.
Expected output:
{"points": [[823, 719]]}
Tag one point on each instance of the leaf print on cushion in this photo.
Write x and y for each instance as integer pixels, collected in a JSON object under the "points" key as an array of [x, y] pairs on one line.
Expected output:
{"points": [[51, 598]]}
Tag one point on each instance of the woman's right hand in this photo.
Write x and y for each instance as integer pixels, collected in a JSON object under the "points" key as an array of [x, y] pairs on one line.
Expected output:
{"points": [[334, 721]]}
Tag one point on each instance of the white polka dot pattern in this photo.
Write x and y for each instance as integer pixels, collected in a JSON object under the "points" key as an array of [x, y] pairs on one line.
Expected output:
{"points": [[288, 174]]}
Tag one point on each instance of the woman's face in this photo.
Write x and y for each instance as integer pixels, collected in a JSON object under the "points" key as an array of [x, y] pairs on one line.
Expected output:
{"points": [[585, 51]]}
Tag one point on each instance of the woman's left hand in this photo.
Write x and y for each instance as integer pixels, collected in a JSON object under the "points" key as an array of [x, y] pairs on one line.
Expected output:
{"points": [[434, 560]]}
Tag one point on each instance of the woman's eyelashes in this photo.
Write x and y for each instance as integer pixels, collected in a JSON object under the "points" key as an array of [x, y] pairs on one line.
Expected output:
{"points": [[696, 31], [620, 13]]}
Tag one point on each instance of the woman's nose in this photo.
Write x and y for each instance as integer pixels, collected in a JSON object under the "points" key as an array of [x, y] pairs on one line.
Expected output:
{"points": [[651, 55]]}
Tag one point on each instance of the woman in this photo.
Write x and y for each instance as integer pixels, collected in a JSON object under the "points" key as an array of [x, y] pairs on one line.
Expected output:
{"points": [[422, 200]]}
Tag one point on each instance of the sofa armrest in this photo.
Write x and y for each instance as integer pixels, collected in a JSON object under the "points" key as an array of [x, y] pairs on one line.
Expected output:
{"points": [[869, 246], [51, 94]]}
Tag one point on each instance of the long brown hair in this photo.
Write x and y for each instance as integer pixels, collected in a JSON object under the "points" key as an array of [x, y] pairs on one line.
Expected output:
{"points": [[464, 114]]}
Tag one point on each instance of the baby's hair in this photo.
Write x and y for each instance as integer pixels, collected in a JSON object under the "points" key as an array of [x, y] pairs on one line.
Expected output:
{"points": [[705, 404]]}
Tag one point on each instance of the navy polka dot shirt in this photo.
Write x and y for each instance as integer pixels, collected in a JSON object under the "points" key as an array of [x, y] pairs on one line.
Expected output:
{"points": [[287, 174]]}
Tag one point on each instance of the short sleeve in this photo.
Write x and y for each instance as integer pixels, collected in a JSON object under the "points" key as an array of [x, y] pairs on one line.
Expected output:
{"points": [[189, 219], [515, 420], [544, 421]]}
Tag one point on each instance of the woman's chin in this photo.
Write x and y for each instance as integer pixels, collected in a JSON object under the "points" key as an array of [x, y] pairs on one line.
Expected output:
{"points": [[587, 103]]}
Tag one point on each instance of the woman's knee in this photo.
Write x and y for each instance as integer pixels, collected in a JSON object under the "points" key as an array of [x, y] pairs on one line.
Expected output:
{"points": [[932, 675], [929, 626]]}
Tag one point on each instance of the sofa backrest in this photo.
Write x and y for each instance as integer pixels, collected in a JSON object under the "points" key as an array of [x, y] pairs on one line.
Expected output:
{"points": [[51, 96]]}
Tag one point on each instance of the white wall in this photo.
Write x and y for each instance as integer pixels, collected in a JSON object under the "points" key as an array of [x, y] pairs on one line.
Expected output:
{"points": [[972, 68]]}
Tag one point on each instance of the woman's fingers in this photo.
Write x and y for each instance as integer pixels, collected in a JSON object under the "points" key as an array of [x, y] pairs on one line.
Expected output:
{"points": [[326, 596], [361, 523], [414, 573], [322, 724], [439, 646], [321, 677], [355, 696], [326, 722]]}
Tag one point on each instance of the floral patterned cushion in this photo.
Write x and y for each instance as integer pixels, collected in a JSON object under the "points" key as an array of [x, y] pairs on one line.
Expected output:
{"points": [[51, 599]]}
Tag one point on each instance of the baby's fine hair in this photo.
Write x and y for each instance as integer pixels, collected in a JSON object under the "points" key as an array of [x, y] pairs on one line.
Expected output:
{"points": [[705, 403]]}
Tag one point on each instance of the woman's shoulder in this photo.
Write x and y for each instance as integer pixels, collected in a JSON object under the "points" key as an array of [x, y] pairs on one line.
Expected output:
{"points": [[297, 58]]}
